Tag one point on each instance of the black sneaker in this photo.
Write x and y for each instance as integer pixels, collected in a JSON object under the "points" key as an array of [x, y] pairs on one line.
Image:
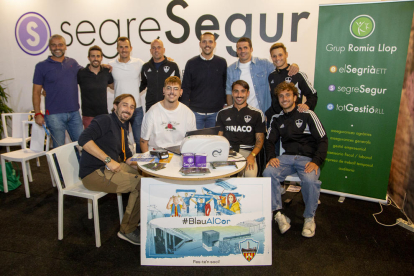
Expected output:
{"points": [[133, 237]]}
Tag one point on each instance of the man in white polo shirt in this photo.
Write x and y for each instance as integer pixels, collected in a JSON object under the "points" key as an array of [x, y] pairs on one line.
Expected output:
{"points": [[126, 72], [167, 121]]}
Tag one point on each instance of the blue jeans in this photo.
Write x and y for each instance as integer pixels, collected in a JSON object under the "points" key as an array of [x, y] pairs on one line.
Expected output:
{"points": [[59, 123], [204, 120], [136, 123], [311, 186]]}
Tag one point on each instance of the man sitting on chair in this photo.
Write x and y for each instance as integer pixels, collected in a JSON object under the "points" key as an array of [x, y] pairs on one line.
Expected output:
{"points": [[167, 121], [105, 142], [306, 144]]}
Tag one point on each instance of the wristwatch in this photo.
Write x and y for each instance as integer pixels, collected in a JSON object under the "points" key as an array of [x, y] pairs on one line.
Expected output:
{"points": [[254, 154], [107, 159]]}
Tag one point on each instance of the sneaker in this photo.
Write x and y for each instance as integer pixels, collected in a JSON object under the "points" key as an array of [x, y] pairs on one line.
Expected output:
{"points": [[133, 237], [309, 227], [283, 222]]}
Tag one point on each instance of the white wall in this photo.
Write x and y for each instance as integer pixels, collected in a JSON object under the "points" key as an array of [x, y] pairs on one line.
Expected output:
{"points": [[16, 64]]}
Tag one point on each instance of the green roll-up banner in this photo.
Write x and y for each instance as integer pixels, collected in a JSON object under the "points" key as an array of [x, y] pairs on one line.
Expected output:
{"points": [[360, 63]]}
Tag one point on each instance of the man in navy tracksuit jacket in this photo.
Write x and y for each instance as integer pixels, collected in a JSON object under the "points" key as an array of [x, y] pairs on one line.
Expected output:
{"points": [[306, 144], [155, 72]]}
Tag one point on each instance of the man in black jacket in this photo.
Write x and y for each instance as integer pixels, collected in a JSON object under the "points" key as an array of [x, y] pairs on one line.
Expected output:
{"points": [[306, 144], [106, 159], [279, 57], [155, 72]]}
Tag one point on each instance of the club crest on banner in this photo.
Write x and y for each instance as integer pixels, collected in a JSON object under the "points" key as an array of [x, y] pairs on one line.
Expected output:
{"points": [[166, 69], [249, 249], [299, 123], [247, 118]]}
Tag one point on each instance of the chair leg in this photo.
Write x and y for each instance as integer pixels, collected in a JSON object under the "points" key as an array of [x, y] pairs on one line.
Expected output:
{"points": [[96, 223], [60, 217], [26, 182], [90, 214], [3, 170], [52, 177], [120, 207], [29, 171], [38, 162]]}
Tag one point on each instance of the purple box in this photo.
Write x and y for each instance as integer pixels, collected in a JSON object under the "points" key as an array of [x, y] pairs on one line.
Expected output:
{"points": [[201, 160], [188, 160]]}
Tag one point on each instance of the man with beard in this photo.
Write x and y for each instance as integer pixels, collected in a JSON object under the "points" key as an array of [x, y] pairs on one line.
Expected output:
{"points": [[204, 83], [57, 75], [106, 159], [93, 81], [154, 73], [244, 126], [254, 71], [167, 121]]}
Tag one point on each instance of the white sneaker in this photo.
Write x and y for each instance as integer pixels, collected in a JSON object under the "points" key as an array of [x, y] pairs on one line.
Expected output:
{"points": [[309, 227], [283, 222]]}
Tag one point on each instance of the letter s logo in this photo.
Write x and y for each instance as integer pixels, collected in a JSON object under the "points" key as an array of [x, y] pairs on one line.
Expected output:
{"points": [[32, 33], [29, 28]]}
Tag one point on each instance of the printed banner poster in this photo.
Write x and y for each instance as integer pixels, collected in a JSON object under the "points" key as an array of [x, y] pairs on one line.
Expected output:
{"points": [[220, 222], [360, 64]]}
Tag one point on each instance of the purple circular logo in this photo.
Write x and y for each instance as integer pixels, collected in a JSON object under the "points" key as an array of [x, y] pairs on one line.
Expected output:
{"points": [[32, 33], [331, 87]]}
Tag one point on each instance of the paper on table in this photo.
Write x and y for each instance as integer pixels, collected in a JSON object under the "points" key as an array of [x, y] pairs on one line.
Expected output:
{"points": [[144, 157]]}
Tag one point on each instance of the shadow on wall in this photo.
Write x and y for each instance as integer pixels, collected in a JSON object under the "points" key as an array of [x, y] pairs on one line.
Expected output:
{"points": [[401, 181]]}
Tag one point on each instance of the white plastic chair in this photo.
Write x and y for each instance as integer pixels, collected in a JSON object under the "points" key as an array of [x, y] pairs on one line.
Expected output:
{"points": [[65, 157], [17, 133], [37, 148]]}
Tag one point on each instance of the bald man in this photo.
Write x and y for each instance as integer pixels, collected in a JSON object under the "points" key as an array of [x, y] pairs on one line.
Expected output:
{"points": [[155, 72]]}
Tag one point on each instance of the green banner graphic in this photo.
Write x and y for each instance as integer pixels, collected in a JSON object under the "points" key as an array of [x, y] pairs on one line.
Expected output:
{"points": [[360, 64]]}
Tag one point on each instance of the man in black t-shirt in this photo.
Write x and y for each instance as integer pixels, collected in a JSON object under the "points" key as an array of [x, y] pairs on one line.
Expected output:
{"points": [[93, 81], [243, 125]]}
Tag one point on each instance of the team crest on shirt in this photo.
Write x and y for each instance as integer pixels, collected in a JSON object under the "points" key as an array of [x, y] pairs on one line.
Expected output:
{"points": [[170, 126], [299, 123], [166, 69], [247, 118], [288, 79]]}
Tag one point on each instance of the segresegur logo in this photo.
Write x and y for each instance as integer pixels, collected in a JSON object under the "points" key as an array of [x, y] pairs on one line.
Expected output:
{"points": [[32, 33], [362, 26]]}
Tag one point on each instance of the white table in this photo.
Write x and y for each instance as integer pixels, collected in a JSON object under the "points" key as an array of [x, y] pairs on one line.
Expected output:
{"points": [[171, 170]]}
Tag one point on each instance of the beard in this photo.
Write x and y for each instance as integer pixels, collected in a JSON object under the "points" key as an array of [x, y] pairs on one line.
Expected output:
{"points": [[95, 64], [58, 53]]}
